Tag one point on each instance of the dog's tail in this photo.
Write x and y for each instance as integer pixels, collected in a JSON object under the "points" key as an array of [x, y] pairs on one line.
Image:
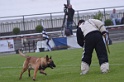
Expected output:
{"points": [[23, 55]]}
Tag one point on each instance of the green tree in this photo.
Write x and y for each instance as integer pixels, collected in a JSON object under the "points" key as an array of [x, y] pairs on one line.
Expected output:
{"points": [[39, 28], [16, 30], [98, 15], [108, 22]]}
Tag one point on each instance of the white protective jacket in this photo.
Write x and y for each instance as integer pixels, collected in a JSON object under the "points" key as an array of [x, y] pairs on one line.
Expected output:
{"points": [[92, 25]]}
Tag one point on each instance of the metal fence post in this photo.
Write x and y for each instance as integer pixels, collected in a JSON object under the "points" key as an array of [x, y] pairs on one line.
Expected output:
{"points": [[78, 17], [104, 14], [51, 19], [23, 23]]}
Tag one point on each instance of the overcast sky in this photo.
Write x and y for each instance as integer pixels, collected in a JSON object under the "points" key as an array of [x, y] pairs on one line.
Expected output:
{"points": [[26, 7]]}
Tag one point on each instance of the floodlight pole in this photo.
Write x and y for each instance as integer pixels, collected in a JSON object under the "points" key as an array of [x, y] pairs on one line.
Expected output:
{"points": [[68, 2]]}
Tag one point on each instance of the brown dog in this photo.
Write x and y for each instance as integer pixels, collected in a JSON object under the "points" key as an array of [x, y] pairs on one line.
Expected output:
{"points": [[36, 63]]}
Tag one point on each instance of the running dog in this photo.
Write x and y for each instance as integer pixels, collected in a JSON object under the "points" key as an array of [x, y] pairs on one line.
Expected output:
{"points": [[36, 63]]}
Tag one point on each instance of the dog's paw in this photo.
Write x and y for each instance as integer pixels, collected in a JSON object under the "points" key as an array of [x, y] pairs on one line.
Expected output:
{"points": [[43, 73], [34, 80], [20, 78]]}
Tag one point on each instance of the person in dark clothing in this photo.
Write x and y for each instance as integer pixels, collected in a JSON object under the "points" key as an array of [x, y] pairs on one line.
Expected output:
{"points": [[79, 34], [46, 37], [70, 14], [122, 19], [93, 31]]}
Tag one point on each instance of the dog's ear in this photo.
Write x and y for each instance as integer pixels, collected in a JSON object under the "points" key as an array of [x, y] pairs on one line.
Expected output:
{"points": [[47, 58]]}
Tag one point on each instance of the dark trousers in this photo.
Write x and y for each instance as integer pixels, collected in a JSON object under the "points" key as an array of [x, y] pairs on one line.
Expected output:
{"points": [[49, 47], [69, 26], [95, 41]]}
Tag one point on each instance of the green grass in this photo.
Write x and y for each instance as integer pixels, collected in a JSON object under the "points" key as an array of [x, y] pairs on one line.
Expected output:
{"points": [[68, 67]]}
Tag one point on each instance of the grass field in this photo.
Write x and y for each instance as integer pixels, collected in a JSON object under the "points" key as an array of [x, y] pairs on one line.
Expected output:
{"points": [[68, 67]]}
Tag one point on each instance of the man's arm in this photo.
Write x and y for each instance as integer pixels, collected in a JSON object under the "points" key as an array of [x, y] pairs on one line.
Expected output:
{"points": [[80, 37]]}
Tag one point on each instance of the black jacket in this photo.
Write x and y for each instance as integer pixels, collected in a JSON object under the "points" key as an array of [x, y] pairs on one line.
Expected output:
{"points": [[80, 37], [70, 14], [122, 20]]}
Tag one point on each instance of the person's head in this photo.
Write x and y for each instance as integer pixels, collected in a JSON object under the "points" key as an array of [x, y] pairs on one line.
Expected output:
{"points": [[114, 10], [80, 21], [69, 6]]}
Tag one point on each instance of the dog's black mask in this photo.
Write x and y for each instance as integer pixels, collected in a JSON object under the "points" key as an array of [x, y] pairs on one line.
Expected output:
{"points": [[51, 65]]}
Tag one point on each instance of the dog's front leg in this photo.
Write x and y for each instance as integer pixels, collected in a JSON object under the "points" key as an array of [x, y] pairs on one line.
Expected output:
{"points": [[42, 72], [35, 72], [29, 74]]}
